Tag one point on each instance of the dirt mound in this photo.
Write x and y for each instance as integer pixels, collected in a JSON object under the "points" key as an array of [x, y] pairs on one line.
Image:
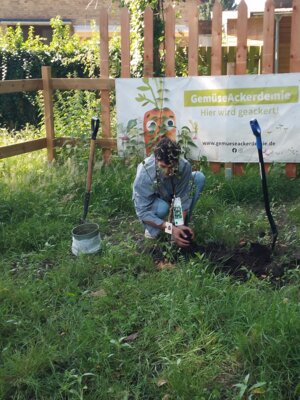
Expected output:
{"points": [[239, 262], [253, 257]]}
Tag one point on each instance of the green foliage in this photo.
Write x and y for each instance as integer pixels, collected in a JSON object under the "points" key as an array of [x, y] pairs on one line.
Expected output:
{"points": [[23, 59], [137, 8], [185, 139], [115, 57], [181, 60], [228, 4], [156, 96], [73, 111], [206, 7], [133, 147], [244, 388], [70, 56]]}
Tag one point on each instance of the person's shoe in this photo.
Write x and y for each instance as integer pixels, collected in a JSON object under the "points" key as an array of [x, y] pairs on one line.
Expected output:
{"points": [[148, 235]]}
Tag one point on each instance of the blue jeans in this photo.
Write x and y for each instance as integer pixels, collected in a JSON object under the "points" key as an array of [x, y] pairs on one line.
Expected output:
{"points": [[162, 207]]}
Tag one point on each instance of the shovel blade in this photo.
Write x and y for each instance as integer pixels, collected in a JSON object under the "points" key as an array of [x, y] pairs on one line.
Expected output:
{"points": [[86, 206]]}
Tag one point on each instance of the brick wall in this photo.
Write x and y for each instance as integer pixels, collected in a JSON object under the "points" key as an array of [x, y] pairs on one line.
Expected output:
{"points": [[81, 12]]}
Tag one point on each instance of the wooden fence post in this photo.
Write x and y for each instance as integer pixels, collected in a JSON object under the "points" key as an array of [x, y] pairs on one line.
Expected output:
{"points": [[268, 38], [148, 42], [125, 43], [228, 167], [216, 56], [48, 110], [291, 168], [295, 34], [104, 73], [193, 39], [170, 41], [216, 38], [268, 41], [241, 58]]}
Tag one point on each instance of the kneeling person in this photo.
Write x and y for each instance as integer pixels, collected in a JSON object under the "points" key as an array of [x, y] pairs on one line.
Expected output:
{"points": [[161, 178]]}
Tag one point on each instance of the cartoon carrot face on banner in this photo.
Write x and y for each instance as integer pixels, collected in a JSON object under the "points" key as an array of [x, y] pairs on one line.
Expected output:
{"points": [[159, 121]]}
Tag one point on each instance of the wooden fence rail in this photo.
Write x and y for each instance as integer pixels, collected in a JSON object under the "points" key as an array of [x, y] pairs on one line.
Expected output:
{"points": [[21, 85], [26, 85], [105, 84], [39, 144]]}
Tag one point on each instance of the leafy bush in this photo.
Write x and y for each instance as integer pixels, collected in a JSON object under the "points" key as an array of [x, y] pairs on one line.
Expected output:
{"points": [[23, 59], [73, 111]]}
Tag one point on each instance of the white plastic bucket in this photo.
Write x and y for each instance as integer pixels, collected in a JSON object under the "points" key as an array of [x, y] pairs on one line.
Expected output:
{"points": [[86, 239]]}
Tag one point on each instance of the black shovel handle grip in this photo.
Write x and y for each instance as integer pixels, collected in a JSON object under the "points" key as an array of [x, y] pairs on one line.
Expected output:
{"points": [[95, 127], [257, 133]]}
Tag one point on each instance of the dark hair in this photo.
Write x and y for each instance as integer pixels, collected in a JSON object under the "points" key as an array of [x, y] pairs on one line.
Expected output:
{"points": [[167, 151]]}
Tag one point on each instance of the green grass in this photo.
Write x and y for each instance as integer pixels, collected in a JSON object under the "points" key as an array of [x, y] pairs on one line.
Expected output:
{"points": [[110, 325]]}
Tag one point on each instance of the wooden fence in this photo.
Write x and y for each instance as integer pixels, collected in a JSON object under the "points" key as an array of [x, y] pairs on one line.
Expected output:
{"points": [[105, 84]]}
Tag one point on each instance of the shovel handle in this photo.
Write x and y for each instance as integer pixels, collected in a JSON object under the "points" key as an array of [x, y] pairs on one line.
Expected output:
{"points": [[257, 133], [95, 123], [94, 130]]}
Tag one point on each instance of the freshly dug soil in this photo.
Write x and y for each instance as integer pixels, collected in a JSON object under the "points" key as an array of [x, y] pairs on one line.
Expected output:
{"points": [[239, 262]]}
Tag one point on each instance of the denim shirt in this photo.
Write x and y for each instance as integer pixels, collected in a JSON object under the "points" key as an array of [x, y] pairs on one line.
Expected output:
{"points": [[150, 184]]}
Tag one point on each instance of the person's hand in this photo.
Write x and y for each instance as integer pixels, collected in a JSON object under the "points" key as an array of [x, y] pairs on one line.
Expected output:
{"points": [[182, 235]]}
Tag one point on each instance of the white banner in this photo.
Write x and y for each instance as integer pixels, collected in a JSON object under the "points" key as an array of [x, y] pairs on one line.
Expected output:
{"points": [[210, 115]]}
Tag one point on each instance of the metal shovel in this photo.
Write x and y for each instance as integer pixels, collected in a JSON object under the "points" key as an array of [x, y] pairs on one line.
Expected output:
{"points": [[257, 133], [86, 236]]}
